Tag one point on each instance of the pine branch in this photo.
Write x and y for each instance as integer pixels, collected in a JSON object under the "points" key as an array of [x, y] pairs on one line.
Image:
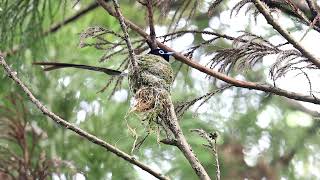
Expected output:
{"points": [[194, 64], [266, 13], [211, 139]]}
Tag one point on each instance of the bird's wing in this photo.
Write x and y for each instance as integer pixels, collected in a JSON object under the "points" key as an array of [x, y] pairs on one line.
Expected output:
{"points": [[55, 65]]}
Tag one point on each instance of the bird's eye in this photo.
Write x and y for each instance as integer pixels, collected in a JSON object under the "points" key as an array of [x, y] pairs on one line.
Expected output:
{"points": [[161, 52]]}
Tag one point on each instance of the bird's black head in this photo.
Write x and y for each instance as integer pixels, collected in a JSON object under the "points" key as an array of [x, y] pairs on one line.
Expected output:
{"points": [[161, 52]]}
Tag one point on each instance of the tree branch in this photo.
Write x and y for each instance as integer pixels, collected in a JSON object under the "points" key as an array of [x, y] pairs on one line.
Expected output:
{"points": [[75, 129], [238, 83], [299, 13], [301, 7], [300, 107], [125, 31], [170, 118], [153, 43], [266, 13]]}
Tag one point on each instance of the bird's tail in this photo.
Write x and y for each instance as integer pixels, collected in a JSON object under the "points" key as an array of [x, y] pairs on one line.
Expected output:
{"points": [[54, 65]]}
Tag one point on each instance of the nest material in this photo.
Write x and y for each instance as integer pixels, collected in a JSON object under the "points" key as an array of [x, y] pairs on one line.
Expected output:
{"points": [[150, 102], [152, 71], [149, 99], [151, 84]]}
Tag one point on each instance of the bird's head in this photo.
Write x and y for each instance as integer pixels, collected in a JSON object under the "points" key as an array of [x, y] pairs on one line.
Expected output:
{"points": [[161, 52]]}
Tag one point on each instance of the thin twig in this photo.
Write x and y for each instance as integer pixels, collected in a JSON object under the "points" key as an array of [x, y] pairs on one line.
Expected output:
{"points": [[72, 18], [292, 13], [266, 13], [217, 160], [75, 129], [126, 34], [211, 139], [298, 12]]}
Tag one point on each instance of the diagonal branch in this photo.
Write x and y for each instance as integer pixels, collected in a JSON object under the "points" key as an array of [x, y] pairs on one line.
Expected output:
{"points": [[211, 139], [238, 83], [75, 129], [266, 13], [193, 63]]}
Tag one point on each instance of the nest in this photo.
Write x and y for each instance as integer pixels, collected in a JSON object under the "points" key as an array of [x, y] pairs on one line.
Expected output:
{"points": [[150, 102], [149, 99], [152, 71], [150, 83]]}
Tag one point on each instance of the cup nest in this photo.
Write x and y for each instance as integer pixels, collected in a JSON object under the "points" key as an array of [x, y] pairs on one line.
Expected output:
{"points": [[149, 103]]}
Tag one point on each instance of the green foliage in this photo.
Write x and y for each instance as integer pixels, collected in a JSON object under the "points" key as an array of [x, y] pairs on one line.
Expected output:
{"points": [[236, 114], [22, 22]]}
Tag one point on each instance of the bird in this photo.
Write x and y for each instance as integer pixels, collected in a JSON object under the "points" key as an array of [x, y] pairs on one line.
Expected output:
{"points": [[153, 70]]}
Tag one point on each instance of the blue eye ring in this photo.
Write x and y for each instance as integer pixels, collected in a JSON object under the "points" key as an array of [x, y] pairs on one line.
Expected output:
{"points": [[161, 51]]}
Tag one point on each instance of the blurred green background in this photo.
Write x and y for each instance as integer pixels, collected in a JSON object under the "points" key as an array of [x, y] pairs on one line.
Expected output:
{"points": [[260, 135]]}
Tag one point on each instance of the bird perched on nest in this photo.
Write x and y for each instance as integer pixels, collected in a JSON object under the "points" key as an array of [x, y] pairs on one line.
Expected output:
{"points": [[153, 70], [150, 82]]}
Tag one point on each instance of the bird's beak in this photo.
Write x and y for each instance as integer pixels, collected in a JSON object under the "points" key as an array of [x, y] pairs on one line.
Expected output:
{"points": [[170, 53]]}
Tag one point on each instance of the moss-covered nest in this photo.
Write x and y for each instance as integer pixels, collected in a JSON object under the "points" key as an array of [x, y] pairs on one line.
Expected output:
{"points": [[150, 83]]}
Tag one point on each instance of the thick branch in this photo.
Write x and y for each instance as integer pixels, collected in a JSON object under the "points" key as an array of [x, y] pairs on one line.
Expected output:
{"points": [[266, 13], [75, 129], [238, 83]]}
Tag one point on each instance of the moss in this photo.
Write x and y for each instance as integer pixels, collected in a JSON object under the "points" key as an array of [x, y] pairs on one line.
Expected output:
{"points": [[152, 71], [150, 103], [150, 82]]}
